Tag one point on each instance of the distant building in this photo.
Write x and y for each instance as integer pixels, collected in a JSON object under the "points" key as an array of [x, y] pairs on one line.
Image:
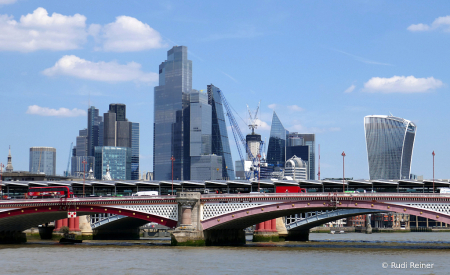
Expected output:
{"points": [[43, 160], [171, 116], [296, 146], [116, 128], [9, 167], [134, 151], [390, 143], [81, 150], [208, 167], [93, 130], [296, 168], [276, 151], [118, 159], [220, 144]]}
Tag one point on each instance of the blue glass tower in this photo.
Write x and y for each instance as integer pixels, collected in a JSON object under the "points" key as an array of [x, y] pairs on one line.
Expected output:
{"points": [[219, 141], [276, 151], [171, 116], [134, 151], [118, 159], [390, 143]]}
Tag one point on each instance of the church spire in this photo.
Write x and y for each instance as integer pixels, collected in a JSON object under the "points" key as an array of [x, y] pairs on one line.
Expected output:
{"points": [[9, 167]]}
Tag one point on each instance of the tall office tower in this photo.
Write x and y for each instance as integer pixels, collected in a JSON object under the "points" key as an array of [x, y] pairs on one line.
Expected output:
{"points": [[171, 116], [254, 144], [220, 144], [390, 143], [81, 154], [43, 159], [120, 110], [200, 124], [204, 165], [9, 167], [134, 151], [93, 130], [82, 143], [118, 159], [276, 151], [116, 127], [303, 146]]}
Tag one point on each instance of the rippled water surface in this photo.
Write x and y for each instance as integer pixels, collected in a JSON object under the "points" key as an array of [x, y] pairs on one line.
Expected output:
{"points": [[352, 253]]}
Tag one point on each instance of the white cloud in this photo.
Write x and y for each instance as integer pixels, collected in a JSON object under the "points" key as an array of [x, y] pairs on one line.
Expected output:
{"points": [[262, 125], [72, 65], [7, 2], [38, 31], [402, 84], [350, 89], [272, 106], [295, 108], [61, 112], [439, 23], [127, 34]]}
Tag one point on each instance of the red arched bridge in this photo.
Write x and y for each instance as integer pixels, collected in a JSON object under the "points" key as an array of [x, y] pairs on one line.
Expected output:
{"points": [[215, 215]]}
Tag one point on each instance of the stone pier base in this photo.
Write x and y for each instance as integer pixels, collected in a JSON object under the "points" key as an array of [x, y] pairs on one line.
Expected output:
{"points": [[121, 234], [298, 235], [46, 232], [187, 238], [234, 237], [12, 237], [266, 236]]}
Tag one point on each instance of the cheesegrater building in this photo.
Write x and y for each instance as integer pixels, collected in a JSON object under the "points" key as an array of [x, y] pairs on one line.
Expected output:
{"points": [[390, 143]]}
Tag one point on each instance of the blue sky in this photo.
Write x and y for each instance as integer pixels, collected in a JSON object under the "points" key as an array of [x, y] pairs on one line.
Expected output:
{"points": [[321, 65]]}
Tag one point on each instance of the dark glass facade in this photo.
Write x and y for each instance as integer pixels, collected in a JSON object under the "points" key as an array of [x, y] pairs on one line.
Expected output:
{"points": [[219, 140], [118, 159], [390, 143], [120, 110], [93, 129], [171, 116], [276, 151], [295, 139], [135, 151]]}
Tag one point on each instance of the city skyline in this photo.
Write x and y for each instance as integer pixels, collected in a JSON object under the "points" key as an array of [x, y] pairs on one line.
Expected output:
{"points": [[357, 60]]}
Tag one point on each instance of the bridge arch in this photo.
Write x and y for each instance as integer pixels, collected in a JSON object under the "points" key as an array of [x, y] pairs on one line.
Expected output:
{"points": [[19, 219], [244, 218]]}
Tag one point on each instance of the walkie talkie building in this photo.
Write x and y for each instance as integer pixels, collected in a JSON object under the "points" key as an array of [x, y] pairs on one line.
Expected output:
{"points": [[390, 143]]}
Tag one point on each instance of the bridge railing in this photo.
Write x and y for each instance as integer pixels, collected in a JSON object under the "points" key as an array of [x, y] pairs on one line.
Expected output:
{"points": [[328, 194], [89, 199]]}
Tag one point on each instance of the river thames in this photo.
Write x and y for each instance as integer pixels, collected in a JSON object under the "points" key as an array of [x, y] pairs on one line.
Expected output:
{"points": [[352, 253]]}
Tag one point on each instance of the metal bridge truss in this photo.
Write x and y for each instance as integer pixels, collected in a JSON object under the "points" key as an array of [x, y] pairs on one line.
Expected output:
{"points": [[303, 219]]}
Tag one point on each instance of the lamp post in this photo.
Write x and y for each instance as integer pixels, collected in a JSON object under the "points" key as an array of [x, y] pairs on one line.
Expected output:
{"points": [[433, 170], [1, 180], [343, 171], [172, 159], [84, 174]]}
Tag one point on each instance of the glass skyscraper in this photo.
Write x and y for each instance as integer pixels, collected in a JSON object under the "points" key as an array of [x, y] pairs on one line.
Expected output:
{"points": [[171, 116], [43, 160], [93, 130], [295, 142], [219, 142], [134, 151], [118, 158], [390, 143], [276, 151]]}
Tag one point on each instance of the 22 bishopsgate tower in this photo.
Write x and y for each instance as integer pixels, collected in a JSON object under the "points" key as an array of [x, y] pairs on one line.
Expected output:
{"points": [[390, 142], [171, 116], [189, 125]]}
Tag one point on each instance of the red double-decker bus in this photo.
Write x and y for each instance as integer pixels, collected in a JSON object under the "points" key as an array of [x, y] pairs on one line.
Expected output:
{"points": [[50, 192], [290, 189]]}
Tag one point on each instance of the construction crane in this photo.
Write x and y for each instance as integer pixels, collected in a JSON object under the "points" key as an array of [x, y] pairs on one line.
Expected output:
{"points": [[68, 162], [253, 119], [238, 137]]}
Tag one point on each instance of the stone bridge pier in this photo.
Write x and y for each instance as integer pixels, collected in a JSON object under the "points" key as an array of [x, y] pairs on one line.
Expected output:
{"points": [[189, 231]]}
